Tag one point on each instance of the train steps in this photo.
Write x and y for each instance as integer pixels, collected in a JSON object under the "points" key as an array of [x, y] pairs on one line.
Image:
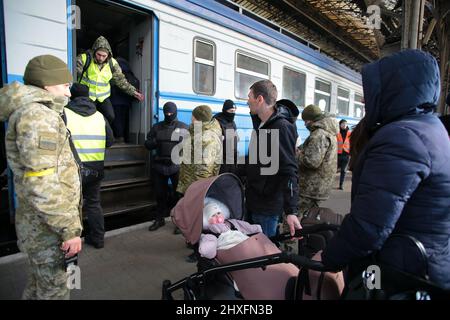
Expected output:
{"points": [[126, 186]]}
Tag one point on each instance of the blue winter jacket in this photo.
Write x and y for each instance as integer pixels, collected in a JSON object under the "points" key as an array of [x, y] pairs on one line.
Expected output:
{"points": [[401, 182]]}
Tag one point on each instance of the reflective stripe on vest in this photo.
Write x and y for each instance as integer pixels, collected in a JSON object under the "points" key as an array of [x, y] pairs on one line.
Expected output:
{"points": [[88, 135], [97, 80], [344, 145]]}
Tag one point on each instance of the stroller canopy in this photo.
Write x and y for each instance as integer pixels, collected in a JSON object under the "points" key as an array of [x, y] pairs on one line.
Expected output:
{"points": [[187, 215]]}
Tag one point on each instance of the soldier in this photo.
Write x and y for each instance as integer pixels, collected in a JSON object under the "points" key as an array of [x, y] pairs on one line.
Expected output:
{"points": [[160, 139], [317, 158], [46, 175], [97, 68], [211, 134], [230, 138]]}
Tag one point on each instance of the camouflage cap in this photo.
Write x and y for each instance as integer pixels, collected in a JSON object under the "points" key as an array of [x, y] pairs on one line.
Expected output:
{"points": [[311, 113], [46, 70], [202, 113]]}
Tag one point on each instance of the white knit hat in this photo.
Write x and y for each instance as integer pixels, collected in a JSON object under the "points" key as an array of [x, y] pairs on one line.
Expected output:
{"points": [[208, 211]]}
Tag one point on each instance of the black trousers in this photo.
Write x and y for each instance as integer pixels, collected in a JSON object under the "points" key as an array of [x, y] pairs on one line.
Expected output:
{"points": [[93, 209], [166, 197], [121, 120], [343, 159], [106, 109]]}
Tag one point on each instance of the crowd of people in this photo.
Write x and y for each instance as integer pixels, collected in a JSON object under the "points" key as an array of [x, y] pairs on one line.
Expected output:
{"points": [[399, 156]]}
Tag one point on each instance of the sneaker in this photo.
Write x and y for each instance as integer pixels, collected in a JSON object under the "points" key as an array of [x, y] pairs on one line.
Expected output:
{"points": [[341, 188]]}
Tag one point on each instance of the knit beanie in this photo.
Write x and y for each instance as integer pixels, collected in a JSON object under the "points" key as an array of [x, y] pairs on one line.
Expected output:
{"points": [[79, 90], [227, 105], [46, 70], [208, 211], [202, 113], [311, 113]]}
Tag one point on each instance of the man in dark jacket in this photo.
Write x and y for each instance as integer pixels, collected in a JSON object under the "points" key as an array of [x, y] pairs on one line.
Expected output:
{"points": [[401, 181], [230, 138], [160, 139], [122, 103], [90, 134], [269, 192]]}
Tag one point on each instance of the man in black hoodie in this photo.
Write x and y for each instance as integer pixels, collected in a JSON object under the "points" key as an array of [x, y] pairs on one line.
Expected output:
{"points": [[230, 138], [269, 192], [160, 139], [90, 135]]}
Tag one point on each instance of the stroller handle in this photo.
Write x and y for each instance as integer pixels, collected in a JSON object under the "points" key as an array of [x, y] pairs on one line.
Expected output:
{"points": [[304, 262], [306, 231]]}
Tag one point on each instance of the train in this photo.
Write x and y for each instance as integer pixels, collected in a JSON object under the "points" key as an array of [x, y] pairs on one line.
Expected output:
{"points": [[190, 52]]}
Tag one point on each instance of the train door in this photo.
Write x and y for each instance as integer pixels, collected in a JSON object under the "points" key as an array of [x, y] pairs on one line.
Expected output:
{"points": [[128, 29]]}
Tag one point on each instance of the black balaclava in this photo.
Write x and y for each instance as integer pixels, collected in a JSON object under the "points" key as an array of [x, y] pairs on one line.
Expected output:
{"points": [[228, 104], [170, 107]]}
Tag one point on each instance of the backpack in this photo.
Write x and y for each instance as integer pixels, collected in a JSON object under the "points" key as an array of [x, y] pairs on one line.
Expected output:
{"points": [[313, 243]]}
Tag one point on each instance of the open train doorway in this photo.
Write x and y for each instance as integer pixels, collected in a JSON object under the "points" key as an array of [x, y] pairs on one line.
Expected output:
{"points": [[129, 32], [126, 187]]}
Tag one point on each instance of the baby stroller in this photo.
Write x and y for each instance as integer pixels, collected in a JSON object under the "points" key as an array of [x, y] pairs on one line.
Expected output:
{"points": [[256, 266]]}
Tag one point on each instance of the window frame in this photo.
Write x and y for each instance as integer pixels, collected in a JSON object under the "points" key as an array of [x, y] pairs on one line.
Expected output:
{"points": [[355, 103], [247, 72], [343, 99], [328, 82], [205, 62], [300, 72]]}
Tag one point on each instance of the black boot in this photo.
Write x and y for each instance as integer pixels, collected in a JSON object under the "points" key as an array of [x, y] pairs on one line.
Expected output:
{"points": [[157, 224]]}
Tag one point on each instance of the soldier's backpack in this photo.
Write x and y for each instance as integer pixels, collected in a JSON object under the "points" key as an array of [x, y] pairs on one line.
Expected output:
{"points": [[313, 243]]}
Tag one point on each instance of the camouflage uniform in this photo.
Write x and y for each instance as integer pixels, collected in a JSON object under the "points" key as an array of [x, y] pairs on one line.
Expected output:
{"points": [[212, 155], [317, 167], [118, 78], [317, 163], [47, 183]]}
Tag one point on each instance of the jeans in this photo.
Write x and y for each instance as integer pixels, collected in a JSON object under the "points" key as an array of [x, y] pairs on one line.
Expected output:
{"points": [[268, 223]]}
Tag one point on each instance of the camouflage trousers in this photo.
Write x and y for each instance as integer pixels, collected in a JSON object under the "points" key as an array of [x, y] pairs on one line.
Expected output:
{"points": [[304, 205], [47, 281]]}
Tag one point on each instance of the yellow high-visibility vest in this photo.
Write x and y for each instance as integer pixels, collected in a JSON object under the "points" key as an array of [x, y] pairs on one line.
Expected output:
{"points": [[88, 135], [97, 80]]}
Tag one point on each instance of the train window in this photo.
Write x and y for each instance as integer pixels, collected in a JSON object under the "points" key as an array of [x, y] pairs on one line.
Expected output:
{"points": [[249, 69], [343, 101], [294, 86], [322, 95], [359, 106], [204, 67]]}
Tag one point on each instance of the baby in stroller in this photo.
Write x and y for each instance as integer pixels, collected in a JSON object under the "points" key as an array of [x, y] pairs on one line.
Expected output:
{"points": [[210, 215], [219, 231]]}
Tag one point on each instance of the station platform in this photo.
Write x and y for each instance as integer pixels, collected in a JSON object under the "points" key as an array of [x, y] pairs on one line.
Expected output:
{"points": [[133, 263]]}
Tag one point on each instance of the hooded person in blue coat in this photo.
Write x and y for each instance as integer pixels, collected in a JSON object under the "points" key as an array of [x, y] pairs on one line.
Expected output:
{"points": [[401, 178]]}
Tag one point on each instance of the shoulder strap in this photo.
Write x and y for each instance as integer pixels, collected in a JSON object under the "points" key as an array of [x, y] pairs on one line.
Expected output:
{"points": [[72, 146], [86, 65]]}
